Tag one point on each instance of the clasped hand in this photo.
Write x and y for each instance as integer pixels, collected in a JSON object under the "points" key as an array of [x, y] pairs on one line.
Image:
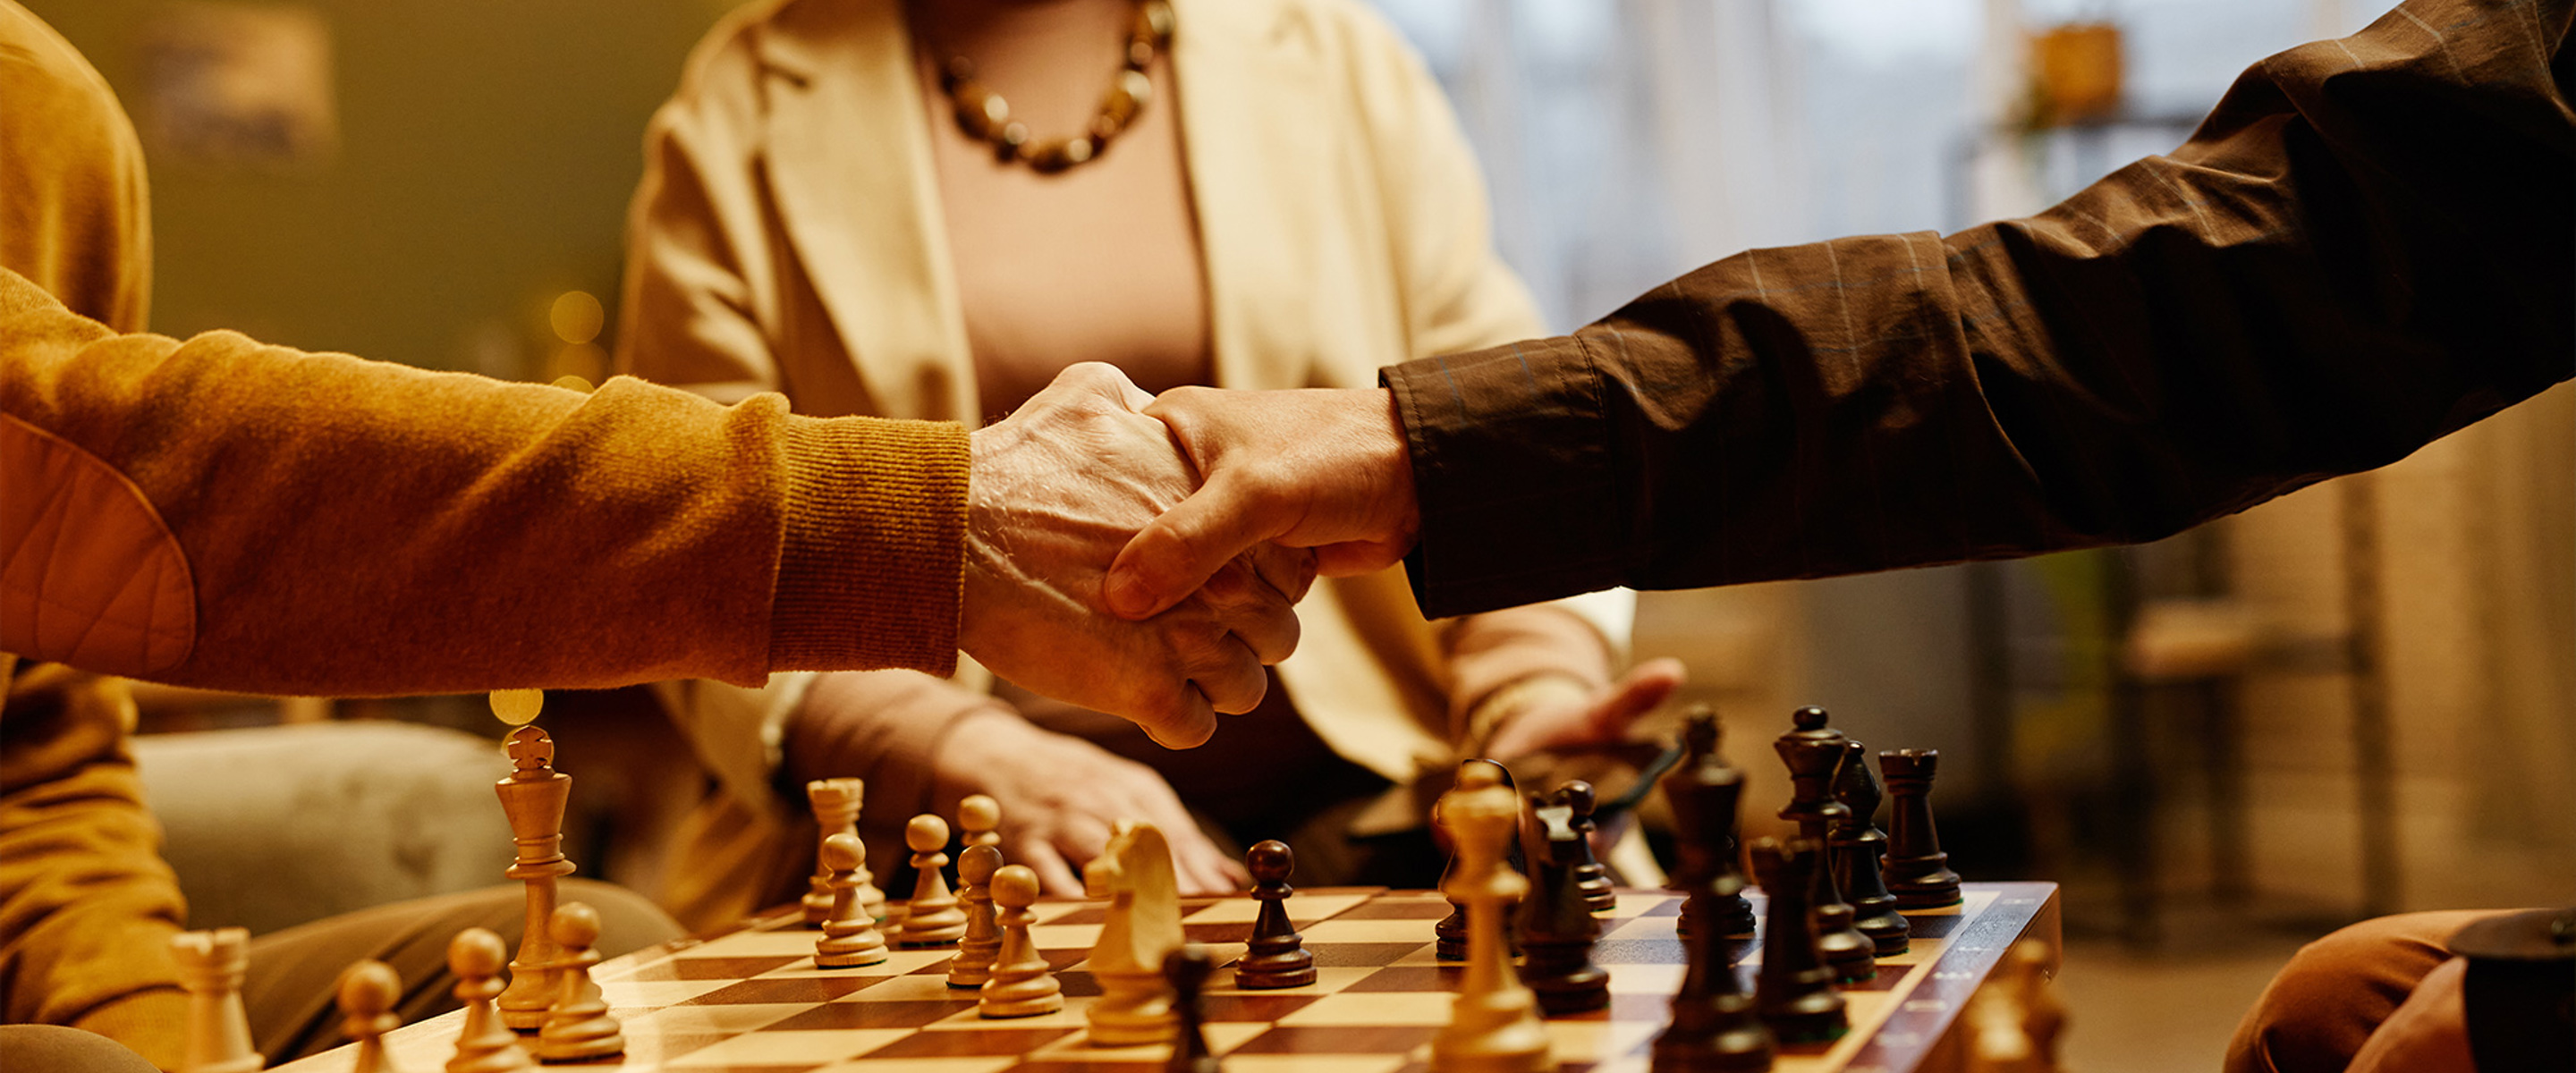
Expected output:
{"points": [[1058, 488]]}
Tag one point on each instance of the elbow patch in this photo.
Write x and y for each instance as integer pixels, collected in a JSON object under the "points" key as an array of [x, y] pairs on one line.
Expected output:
{"points": [[90, 575]]}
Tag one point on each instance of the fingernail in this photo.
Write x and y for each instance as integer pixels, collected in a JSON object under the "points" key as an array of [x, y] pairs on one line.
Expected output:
{"points": [[1124, 593]]}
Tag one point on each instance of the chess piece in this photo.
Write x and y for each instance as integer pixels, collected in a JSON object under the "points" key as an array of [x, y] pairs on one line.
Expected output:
{"points": [[982, 943], [1917, 871], [1185, 971], [836, 812], [1142, 924], [210, 971], [1794, 993], [484, 1045], [1703, 790], [932, 918], [1022, 985], [850, 938], [1713, 1024], [1275, 955], [1854, 846], [366, 996], [579, 1025], [1556, 924], [2012, 1023], [1814, 754], [1589, 876], [979, 821], [1450, 934], [533, 797], [1493, 1026]]}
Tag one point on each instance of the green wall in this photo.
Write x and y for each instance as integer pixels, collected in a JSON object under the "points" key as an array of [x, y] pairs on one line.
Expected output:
{"points": [[487, 150]]}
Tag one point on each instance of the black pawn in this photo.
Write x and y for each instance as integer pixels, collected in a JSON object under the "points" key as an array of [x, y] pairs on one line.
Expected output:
{"points": [[1186, 968], [1704, 825], [1556, 926], [1275, 955], [1794, 992], [1855, 848], [1450, 934], [1815, 754], [1713, 1027], [1590, 877], [1917, 870]]}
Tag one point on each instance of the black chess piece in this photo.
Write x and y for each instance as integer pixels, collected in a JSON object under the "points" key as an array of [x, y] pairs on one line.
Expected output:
{"points": [[1917, 871], [1599, 895], [1854, 848], [1557, 929], [1449, 936], [1713, 1026], [1704, 825], [1794, 992], [1186, 968], [1275, 955], [1814, 753]]}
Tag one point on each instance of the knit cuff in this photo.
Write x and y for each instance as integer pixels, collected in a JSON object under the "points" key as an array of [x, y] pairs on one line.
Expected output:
{"points": [[871, 564]]}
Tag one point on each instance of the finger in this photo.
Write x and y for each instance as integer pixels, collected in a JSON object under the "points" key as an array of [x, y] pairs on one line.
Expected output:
{"points": [[1200, 864], [1228, 673], [1180, 719], [1055, 877], [1353, 557], [1177, 552], [1290, 571], [1257, 614], [1643, 689]]}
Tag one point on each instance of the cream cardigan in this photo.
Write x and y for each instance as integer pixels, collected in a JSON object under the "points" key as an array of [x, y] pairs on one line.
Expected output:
{"points": [[788, 236]]}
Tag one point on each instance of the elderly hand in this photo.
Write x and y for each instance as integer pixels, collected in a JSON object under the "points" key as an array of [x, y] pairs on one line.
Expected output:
{"points": [[1058, 488], [1060, 795], [1321, 469]]}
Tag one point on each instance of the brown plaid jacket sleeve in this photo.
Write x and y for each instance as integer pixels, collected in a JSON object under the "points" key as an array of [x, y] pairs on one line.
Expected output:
{"points": [[2369, 244]]}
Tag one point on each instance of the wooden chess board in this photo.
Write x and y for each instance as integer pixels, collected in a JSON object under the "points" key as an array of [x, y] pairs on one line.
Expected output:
{"points": [[752, 1000]]}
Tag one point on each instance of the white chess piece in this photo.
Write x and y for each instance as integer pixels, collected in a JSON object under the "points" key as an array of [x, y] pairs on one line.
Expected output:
{"points": [[210, 970], [850, 937], [1494, 1026], [836, 812], [1022, 984], [578, 1026], [367, 993], [932, 917], [1143, 923], [484, 1045]]}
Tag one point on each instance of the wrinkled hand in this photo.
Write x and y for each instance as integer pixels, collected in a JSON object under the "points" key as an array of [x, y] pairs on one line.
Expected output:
{"points": [[1059, 797], [1320, 469], [1601, 719], [1058, 488]]}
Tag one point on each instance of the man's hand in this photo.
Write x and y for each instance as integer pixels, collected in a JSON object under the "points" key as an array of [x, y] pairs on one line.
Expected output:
{"points": [[1600, 719], [1061, 794], [1321, 469], [1058, 488]]}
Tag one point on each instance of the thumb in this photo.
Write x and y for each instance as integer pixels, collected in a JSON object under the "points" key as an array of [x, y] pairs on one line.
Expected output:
{"points": [[1178, 552]]}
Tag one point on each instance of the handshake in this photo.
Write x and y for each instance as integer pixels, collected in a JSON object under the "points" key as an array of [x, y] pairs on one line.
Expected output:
{"points": [[1142, 555]]}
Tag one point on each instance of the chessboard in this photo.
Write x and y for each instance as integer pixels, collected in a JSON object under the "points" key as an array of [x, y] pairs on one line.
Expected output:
{"points": [[752, 999]]}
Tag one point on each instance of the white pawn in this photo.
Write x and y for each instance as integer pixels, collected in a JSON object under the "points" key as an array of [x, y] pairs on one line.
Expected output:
{"points": [[367, 993], [850, 936], [1022, 984], [210, 970], [932, 918], [982, 943], [485, 1045], [979, 821], [836, 811], [1494, 1025], [578, 1026]]}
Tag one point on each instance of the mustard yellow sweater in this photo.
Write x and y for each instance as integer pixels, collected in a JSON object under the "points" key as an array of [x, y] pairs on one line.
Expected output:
{"points": [[221, 513]]}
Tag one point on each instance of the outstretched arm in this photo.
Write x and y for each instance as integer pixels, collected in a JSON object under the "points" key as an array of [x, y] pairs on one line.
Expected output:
{"points": [[2362, 250]]}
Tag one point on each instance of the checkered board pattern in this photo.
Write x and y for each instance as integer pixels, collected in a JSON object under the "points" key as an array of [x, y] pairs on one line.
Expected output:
{"points": [[752, 1001]]}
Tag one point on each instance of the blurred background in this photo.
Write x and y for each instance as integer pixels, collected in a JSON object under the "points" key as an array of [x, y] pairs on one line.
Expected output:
{"points": [[2353, 700]]}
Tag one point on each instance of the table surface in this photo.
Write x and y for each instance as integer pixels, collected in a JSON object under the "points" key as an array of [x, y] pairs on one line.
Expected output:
{"points": [[752, 999]]}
